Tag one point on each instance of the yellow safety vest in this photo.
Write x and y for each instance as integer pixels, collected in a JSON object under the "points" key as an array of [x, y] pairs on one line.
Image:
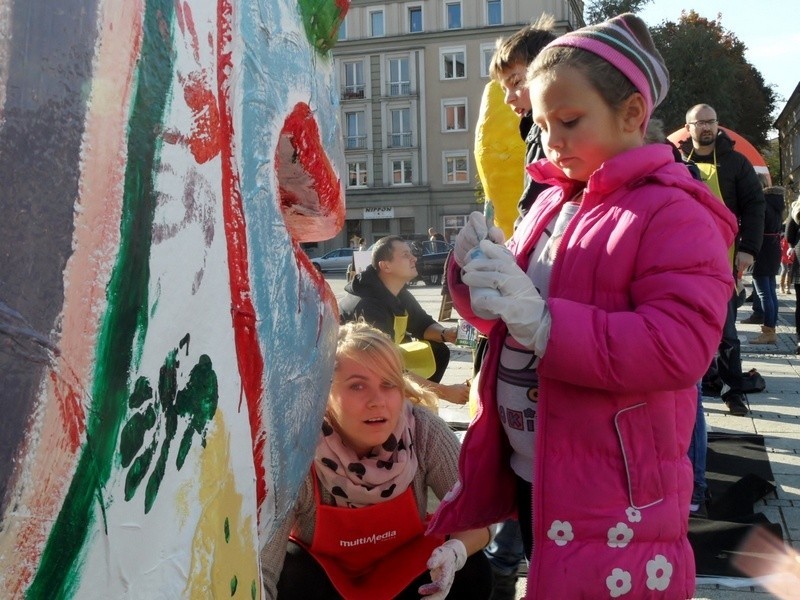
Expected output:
{"points": [[710, 176]]}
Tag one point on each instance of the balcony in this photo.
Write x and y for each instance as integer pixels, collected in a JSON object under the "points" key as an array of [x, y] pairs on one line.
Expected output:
{"points": [[399, 88], [353, 92], [355, 142], [400, 140]]}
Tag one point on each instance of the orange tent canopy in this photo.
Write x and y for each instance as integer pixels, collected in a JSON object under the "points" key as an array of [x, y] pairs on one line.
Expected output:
{"points": [[741, 145]]}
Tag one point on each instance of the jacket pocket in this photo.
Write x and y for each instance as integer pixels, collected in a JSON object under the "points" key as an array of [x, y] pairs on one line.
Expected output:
{"points": [[642, 467]]}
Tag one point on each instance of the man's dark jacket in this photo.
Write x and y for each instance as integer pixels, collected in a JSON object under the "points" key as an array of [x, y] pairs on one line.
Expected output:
{"points": [[740, 189], [366, 297]]}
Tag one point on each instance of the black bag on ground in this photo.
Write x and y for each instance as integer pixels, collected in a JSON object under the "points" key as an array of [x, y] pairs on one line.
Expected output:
{"points": [[753, 382]]}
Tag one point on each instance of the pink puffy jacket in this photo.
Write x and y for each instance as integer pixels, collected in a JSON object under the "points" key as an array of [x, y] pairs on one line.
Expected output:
{"points": [[638, 298]]}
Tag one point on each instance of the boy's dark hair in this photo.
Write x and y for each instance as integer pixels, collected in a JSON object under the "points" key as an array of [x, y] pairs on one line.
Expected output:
{"points": [[522, 47], [383, 249]]}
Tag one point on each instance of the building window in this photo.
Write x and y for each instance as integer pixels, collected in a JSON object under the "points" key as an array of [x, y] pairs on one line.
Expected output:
{"points": [[453, 224], [376, 23], [415, 19], [406, 226], [453, 15], [453, 63], [399, 80], [380, 228], [353, 80], [355, 130], [487, 52], [401, 172], [456, 167], [494, 12], [357, 174], [343, 29], [400, 135], [454, 115]]}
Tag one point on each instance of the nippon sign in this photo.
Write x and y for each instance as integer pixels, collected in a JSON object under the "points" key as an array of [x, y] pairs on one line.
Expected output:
{"points": [[379, 212]]}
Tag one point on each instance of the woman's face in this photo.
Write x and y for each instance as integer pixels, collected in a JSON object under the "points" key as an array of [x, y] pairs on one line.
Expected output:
{"points": [[364, 407]]}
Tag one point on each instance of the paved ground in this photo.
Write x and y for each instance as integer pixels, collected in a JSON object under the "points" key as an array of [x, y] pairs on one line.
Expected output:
{"points": [[775, 415]]}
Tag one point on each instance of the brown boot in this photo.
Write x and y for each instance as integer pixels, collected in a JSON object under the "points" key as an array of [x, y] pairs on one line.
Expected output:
{"points": [[768, 336]]}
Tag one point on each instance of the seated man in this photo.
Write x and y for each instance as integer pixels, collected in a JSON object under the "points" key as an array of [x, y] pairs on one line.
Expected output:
{"points": [[378, 295]]}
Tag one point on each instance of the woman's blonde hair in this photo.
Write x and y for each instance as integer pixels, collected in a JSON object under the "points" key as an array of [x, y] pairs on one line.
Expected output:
{"points": [[373, 348]]}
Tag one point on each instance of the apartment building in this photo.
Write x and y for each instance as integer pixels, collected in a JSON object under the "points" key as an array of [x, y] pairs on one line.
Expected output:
{"points": [[411, 75], [788, 126]]}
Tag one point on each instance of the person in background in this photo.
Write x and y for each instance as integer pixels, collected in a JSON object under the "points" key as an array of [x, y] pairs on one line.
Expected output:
{"points": [[793, 239], [786, 262], [698, 447], [509, 63], [357, 530], [434, 235], [588, 390], [732, 179], [768, 261], [378, 296]]}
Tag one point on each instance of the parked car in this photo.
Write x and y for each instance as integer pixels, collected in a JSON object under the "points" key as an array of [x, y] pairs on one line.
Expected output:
{"points": [[431, 256], [335, 260]]}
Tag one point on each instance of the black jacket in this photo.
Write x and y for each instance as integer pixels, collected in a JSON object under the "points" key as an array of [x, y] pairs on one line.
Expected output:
{"points": [[534, 151], [740, 189], [366, 297], [768, 261]]}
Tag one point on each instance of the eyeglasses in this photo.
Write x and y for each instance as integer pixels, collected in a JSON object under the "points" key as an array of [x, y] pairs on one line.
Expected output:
{"points": [[706, 123]]}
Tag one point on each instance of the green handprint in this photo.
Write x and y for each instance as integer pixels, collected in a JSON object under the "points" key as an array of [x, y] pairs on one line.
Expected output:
{"points": [[197, 400]]}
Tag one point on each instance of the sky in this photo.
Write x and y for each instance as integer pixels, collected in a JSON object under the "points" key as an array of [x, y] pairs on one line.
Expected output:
{"points": [[769, 28]]}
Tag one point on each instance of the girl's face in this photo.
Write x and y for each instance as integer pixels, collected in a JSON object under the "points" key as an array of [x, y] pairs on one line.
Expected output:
{"points": [[516, 94], [580, 131], [364, 407]]}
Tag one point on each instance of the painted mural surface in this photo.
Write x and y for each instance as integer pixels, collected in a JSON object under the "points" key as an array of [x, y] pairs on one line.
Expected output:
{"points": [[165, 346]]}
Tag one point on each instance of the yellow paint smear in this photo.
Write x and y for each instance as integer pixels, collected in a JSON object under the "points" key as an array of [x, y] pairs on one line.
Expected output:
{"points": [[216, 562], [500, 156]]}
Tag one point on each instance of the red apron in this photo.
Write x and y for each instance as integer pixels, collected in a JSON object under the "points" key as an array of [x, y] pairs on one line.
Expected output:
{"points": [[372, 552]]}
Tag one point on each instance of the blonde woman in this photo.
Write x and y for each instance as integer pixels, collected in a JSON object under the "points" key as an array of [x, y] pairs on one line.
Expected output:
{"points": [[357, 530]]}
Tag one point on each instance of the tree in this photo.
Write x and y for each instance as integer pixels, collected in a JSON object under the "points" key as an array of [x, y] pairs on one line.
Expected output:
{"points": [[707, 65], [599, 10]]}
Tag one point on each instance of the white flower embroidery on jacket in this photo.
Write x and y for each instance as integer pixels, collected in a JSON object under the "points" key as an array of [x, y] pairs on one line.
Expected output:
{"points": [[561, 532], [659, 572], [618, 583], [634, 514], [619, 536]]}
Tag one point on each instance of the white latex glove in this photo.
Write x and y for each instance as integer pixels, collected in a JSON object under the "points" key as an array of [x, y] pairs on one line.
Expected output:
{"points": [[443, 564], [743, 260], [790, 252], [470, 236], [519, 303]]}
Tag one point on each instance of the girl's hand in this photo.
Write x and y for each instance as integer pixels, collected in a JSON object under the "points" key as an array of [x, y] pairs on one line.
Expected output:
{"points": [[443, 564], [471, 235], [519, 303]]}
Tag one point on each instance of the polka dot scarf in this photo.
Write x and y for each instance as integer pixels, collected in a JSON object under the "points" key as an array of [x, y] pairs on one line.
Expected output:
{"points": [[385, 473]]}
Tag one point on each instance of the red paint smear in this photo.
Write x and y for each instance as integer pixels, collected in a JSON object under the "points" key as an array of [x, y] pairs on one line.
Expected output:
{"points": [[300, 129], [192, 31], [204, 141], [248, 353], [69, 406]]}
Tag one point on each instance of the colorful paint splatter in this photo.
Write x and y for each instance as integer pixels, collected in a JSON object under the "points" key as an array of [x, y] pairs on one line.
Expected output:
{"points": [[158, 410]]}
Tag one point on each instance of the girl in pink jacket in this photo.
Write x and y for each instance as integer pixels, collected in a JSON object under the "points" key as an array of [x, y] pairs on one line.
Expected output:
{"points": [[602, 312]]}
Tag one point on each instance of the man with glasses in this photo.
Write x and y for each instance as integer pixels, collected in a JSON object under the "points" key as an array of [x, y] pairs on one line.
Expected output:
{"points": [[732, 178], [379, 296]]}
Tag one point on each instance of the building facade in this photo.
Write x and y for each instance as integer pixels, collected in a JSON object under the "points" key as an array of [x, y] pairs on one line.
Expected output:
{"points": [[411, 75], [788, 126]]}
